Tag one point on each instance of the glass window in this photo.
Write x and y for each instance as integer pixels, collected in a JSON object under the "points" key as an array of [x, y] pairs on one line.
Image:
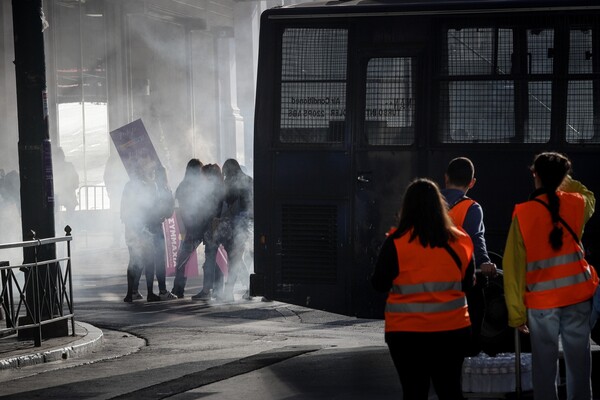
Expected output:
{"points": [[580, 51], [475, 106], [539, 101], [477, 111], [478, 51], [390, 102], [540, 51], [581, 124], [313, 85]]}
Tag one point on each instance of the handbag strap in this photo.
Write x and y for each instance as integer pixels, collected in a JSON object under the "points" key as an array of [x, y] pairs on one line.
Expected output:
{"points": [[562, 221], [454, 256]]}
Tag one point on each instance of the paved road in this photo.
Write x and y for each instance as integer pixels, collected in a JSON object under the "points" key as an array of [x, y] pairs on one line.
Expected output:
{"points": [[190, 350]]}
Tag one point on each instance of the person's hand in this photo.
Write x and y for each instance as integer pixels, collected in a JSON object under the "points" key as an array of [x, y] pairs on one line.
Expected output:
{"points": [[523, 329], [488, 269]]}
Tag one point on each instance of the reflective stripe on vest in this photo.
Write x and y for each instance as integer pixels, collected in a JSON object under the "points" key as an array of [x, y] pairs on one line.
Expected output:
{"points": [[455, 304], [426, 287], [561, 282], [554, 261]]}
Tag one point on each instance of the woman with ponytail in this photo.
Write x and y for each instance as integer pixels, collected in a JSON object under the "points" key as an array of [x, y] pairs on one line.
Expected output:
{"points": [[548, 283]]}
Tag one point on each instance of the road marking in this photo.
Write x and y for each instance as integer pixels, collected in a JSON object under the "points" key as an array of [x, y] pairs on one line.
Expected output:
{"points": [[215, 374]]}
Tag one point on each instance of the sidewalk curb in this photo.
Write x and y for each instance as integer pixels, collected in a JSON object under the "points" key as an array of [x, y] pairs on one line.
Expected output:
{"points": [[88, 343]]}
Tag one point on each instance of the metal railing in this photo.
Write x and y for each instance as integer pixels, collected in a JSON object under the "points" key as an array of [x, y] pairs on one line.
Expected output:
{"points": [[38, 297], [92, 197]]}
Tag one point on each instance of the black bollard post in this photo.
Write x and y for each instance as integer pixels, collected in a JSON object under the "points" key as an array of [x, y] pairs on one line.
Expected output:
{"points": [[35, 161]]}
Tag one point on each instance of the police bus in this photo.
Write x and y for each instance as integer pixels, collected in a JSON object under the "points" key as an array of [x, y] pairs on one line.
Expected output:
{"points": [[357, 98]]}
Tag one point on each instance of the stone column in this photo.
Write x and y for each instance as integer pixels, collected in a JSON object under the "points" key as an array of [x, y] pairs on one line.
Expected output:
{"points": [[231, 123]]}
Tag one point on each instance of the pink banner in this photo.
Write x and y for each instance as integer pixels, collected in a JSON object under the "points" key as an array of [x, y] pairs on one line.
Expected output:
{"points": [[173, 237], [222, 260]]}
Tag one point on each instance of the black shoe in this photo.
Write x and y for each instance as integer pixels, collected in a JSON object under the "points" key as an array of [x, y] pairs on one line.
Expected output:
{"points": [[128, 299], [201, 296], [136, 296], [153, 297]]}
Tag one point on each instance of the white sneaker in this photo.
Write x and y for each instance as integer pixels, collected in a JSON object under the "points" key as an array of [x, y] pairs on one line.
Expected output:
{"points": [[167, 296]]}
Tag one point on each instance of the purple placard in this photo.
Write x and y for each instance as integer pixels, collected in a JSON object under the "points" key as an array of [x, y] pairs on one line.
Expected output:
{"points": [[132, 141]]}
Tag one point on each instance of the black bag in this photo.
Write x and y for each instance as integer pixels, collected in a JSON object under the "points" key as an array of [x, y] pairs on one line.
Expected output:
{"points": [[495, 335]]}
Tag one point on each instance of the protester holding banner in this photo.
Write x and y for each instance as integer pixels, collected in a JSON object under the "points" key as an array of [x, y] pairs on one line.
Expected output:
{"points": [[146, 202]]}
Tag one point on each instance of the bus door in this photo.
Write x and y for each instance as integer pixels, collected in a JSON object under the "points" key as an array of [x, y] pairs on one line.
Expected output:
{"points": [[385, 161], [308, 174]]}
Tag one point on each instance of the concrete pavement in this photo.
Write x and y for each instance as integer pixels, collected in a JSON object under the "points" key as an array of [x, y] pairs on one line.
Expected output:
{"points": [[15, 353], [250, 349]]}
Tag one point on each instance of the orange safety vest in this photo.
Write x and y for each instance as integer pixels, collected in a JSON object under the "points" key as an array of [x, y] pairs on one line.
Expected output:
{"points": [[426, 295], [458, 212], [554, 278]]}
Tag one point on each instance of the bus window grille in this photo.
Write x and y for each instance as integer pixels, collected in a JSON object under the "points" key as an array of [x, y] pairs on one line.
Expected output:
{"points": [[476, 102], [540, 51], [539, 96], [470, 51], [477, 111], [582, 124], [583, 94], [313, 85], [390, 101], [309, 244], [580, 51]]}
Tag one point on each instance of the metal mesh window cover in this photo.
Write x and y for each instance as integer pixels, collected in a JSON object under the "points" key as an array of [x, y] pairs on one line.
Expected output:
{"points": [[477, 51], [313, 85], [477, 111], [539, 96], [309, 244], [390, 102], [583, 122], [580, 51], [540, 51]]}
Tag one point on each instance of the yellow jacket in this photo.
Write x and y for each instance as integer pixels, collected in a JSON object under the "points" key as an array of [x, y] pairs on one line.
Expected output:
{"points": [[514, 261]]}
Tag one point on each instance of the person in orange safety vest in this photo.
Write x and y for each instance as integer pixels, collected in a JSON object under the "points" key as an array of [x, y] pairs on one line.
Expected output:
{"points": [[548, 283], [426, 266], [466, 212]]}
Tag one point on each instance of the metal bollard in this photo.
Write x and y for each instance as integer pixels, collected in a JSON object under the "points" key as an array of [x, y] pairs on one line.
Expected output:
{"points": [[4, 302]]}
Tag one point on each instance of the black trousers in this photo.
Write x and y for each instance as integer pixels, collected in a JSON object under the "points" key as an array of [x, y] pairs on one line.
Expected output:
{"points": [[424, 357], [147, 256]]}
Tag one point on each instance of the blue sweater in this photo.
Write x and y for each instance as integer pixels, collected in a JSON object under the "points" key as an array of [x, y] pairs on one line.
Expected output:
{"points": [[473, 224]]}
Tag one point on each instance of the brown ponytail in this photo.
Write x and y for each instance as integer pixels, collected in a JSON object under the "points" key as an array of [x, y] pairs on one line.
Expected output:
{"points": [[552, 168]]}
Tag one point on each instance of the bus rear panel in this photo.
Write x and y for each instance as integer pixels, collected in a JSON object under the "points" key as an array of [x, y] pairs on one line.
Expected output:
{"points": [[355, 101]]}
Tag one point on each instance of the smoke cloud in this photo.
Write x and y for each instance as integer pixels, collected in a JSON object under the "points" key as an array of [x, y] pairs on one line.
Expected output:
{"points": [[175, 71]]}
